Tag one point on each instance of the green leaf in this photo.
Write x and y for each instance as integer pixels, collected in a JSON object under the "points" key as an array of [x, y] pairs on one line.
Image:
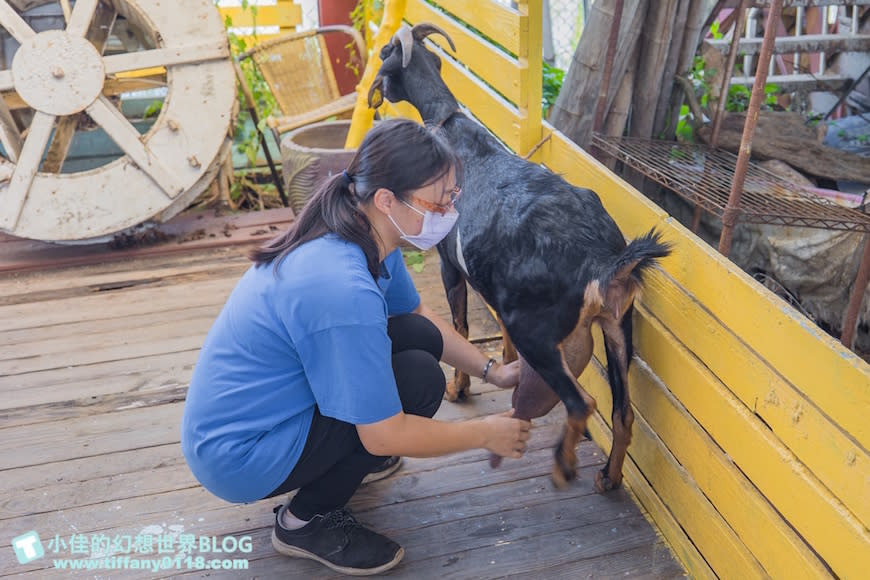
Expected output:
{"points": [[414, 259]]}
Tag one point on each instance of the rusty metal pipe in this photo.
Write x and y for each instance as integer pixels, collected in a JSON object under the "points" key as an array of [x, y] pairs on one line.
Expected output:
{"points": [[729, 72], [850, 320], [732, 210]]}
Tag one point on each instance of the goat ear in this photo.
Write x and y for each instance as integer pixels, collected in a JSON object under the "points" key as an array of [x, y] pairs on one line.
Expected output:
{"points": [[406, 40], [424, 29], [376, 93]]}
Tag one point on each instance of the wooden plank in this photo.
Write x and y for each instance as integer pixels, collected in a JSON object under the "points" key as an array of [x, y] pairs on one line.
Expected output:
{"points": [[77, 283], [187, 500], [773, 542], [499, 116], [285, 15], [497, 68], [196, 511], [16, 26], [81, 381], [657, 512], [494, 20], [411, 517], [128, 139], [648, 561], [164, 57], [804, 43], [531, 74], [146, 347], [97, 33], [10, 137], [61, 140], [155, 467], [162, 469], [769, 327], [832, 455], [96, 335], [804, 501], [81, 470], [726, 554], [18, 188], [800, 82], [116, 275], [522, 540], [110, 309], [91, 405], [90, 436], [111, 88]]}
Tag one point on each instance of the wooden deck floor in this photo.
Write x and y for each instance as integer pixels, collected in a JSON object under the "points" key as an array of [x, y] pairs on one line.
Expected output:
{"points": [[94, 365]]}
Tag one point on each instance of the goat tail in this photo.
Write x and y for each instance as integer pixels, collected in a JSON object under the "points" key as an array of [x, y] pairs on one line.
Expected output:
{"points": [[639, 255]]}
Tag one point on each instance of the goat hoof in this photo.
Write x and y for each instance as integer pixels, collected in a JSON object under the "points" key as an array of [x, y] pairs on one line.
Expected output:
{"points": [[603, 483], [455, 393], [563, 475]]}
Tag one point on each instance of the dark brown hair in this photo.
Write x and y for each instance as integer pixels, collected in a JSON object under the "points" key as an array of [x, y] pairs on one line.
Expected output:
{"points": [[399, 155]]}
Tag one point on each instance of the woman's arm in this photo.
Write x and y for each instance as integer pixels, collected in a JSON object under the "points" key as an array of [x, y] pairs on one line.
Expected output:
{"points": [[415, 436], [461, 354]]}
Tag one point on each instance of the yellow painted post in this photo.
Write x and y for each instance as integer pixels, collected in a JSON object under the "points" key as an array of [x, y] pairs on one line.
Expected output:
{"points": [[531, 59], [363, 116]]}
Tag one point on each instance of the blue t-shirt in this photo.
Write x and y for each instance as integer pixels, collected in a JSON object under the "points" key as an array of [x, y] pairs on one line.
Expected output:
{"points": [[314, 334]]}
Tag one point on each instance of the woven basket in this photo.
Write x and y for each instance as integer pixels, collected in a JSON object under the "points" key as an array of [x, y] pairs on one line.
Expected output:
{"points": [[312, 154]]}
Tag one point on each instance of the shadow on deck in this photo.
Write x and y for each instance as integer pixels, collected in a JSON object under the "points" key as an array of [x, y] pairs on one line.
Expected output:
{"points": [[94, 365]]}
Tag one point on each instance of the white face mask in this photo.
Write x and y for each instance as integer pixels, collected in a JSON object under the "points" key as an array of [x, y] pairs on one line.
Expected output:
{"points": [[435, 227]]}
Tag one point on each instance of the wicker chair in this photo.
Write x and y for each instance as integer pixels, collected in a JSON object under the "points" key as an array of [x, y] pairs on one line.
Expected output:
{"points": [[298, 69]]}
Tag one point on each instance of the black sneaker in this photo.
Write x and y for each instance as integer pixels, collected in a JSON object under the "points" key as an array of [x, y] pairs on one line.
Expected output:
{"points": [[338, 541], [390, 466]]}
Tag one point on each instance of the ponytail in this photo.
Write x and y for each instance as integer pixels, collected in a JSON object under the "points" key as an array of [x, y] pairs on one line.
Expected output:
{"points": [[333, 208], [399, 155]]}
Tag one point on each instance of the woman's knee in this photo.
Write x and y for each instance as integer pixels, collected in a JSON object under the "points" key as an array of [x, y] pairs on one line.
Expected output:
{"points": [[415, 332], [420, 381]]}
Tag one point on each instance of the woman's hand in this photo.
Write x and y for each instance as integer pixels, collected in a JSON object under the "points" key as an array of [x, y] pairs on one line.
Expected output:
{"points": [[505, 435], [504, 376]]}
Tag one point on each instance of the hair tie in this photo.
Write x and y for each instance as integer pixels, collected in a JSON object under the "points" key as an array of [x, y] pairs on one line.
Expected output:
{"points": [[347, 178]]}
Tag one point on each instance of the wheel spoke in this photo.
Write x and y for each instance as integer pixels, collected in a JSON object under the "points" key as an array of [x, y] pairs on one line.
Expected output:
{"points": [[82, 14], [9, 134], [60, 142], [13, 23], [7, 83], [25, 170], [128, 139], [190, 54]]}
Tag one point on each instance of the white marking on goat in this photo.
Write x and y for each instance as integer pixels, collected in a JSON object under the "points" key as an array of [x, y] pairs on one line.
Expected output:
{"points": [[459, 257]]}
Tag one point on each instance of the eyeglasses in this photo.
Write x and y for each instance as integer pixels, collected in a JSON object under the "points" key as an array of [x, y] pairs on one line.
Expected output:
{"points": [[441, 208]]}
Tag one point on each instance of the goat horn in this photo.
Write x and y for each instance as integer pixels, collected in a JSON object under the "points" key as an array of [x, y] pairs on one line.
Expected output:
{"points": [[406, 40], [422, 30]]}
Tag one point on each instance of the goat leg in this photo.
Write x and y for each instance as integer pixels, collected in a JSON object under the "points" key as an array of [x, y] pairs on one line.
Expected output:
{"points": [[617, 345], [457, 298], [508, 350]]}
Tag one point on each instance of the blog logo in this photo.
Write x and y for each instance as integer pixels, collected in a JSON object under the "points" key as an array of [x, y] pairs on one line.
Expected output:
{"points": [[28, 547]]}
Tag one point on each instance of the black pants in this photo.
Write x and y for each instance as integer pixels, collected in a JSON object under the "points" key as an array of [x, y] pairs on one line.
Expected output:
{"points": [[334, 461]]}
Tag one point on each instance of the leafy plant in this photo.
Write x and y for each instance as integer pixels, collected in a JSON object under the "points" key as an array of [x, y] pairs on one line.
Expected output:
{"points": [[153, 109], [552, 80], [414, 259], [248, 137], [737, 99]]}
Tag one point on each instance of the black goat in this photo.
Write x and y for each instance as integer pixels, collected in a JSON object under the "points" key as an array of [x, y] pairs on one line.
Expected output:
{"points": [[543, 253]]}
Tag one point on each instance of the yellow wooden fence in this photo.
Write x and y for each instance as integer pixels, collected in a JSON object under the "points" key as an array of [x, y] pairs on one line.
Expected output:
{"points": [[750, 449], [268, 17]]}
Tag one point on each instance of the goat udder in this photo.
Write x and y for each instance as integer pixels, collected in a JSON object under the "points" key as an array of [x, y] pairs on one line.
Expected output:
{"points": [[533, 397]]}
